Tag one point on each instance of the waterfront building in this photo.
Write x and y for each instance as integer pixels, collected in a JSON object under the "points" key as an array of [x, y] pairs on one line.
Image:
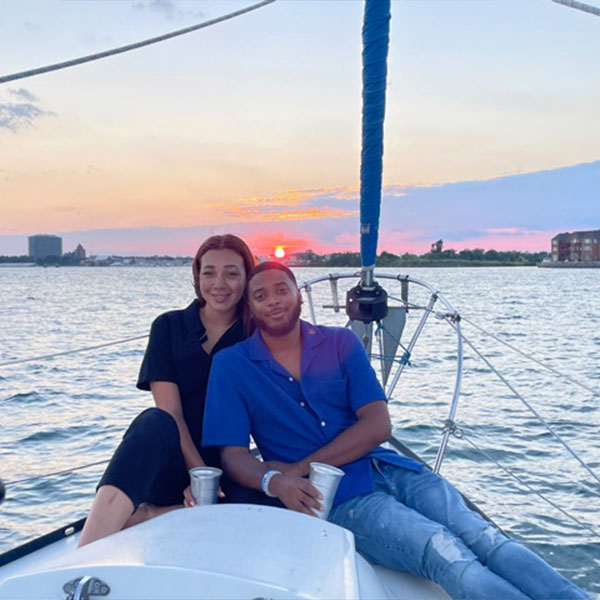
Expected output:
{"points": [[44, 246], [576, 247], [300, 259], [79, 252]]}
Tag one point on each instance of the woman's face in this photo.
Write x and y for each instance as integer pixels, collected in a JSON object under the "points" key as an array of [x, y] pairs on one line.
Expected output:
{"points": [[222, 279]]}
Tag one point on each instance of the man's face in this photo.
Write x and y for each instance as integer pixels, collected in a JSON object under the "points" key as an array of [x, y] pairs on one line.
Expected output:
{"points": [[274, 302]]}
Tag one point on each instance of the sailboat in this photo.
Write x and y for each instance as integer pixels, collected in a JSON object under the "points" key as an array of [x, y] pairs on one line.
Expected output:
{"points": [[247, 551]]}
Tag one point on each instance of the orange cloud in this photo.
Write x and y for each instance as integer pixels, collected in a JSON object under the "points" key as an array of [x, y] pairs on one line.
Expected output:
{"points": [[300, 214], [288, 205]]}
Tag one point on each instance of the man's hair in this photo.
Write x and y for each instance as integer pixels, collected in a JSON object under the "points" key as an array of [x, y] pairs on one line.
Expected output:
{"points": [[268, 266]]}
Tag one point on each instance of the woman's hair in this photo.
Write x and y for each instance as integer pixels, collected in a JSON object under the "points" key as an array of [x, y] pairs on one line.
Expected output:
{"points": [[220, 242]]}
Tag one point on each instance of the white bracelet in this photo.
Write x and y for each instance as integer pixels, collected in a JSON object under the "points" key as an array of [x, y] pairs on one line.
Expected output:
{"points": [[266, 480]]}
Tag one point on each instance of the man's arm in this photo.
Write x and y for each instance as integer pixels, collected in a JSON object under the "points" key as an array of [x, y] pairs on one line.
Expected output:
{"points": [[372, 428], [295, 492]]}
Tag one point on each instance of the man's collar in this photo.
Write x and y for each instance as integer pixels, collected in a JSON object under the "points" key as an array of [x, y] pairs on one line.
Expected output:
{"points": [[311, 337], [257, 349]]}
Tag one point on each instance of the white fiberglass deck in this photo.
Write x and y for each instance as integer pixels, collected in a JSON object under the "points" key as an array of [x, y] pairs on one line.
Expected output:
{"points": [[225, 551]]}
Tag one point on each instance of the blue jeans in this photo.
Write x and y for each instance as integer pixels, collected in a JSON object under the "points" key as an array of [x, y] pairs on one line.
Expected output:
{"points": [[418, 522]]}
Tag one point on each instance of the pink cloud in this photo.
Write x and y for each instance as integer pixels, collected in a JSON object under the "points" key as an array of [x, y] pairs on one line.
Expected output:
{"points": [[508, 239]]}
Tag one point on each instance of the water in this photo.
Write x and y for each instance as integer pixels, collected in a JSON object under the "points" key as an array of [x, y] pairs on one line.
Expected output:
{"points": [[72, 410]]}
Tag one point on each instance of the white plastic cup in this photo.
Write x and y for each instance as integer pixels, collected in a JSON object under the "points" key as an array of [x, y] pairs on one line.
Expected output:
{"points": [[326, 479], [205, 484]]}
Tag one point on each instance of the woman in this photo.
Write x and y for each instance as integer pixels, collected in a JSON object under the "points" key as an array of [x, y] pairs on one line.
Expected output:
{"points": [[148, 473]]}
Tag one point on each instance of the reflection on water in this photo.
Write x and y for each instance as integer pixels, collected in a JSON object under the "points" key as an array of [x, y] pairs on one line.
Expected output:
{"points": [[72, 410]]}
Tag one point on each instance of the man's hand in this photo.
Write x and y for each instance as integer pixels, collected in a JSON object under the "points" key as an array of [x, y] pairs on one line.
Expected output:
{"points": [[297, 493]]}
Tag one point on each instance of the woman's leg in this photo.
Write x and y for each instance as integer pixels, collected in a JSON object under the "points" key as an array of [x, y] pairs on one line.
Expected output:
{"points": [[146, 511], [110, 509], [432, 496], [148, 466]]}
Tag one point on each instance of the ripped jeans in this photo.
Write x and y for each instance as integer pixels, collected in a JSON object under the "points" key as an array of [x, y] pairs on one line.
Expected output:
{"points": [[418, 522]]}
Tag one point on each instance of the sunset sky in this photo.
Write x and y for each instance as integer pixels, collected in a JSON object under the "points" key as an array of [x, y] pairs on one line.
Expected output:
{"points": [[252, 126]]}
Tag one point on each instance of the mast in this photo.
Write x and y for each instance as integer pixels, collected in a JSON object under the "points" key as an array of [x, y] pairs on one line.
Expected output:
{"points": [[367, 301], [375, 35]]}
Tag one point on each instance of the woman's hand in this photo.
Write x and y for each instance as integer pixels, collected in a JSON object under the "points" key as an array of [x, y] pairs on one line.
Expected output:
{"points": [[188, 499]]}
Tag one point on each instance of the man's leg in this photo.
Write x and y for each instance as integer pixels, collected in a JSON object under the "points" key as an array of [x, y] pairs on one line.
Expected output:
{"points": [[435, 498], [394, 536]]}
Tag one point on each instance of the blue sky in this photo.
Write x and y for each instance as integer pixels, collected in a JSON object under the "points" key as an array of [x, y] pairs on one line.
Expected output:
{"points": [[253, 126]]}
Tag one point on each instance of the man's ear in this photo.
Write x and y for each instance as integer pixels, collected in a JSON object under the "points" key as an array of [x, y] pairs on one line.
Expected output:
{"points": [[300, 300]]}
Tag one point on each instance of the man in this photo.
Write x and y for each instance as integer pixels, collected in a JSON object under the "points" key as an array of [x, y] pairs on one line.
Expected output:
{"points": [[308, 393]]}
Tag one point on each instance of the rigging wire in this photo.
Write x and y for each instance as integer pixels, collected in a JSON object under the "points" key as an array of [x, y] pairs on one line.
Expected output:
{"points": [[532, 410], [593, 10], [128, 47], [535, 360], [76, 351], [44, 475], [460, 434]]}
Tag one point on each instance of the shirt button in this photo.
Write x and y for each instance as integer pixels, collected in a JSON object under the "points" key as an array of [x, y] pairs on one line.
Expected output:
{"points": [[302, 404], [291, 378], [323, 423]]}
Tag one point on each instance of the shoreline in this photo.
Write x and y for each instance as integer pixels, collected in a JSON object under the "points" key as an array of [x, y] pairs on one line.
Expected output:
{"points": [[408, 264]]}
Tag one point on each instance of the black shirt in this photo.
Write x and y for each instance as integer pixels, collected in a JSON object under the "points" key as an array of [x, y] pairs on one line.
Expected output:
{"points": [[175, 354]]}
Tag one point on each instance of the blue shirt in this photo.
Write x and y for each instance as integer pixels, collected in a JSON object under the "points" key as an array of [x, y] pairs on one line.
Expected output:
{"points": [[250, 393]]}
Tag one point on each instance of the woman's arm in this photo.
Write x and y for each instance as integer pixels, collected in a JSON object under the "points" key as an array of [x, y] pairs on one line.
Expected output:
{"points": [[166, 397]]}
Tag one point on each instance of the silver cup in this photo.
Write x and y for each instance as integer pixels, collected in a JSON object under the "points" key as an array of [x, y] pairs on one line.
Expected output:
{"points": [[326, 479], [205, 484]]}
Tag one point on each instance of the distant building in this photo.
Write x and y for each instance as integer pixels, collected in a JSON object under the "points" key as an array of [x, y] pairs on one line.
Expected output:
{"points": [[44, 246], [300, 259], [579, 246], [77, 255]]}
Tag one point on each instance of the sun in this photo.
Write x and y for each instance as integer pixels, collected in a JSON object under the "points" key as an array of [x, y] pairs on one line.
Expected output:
{"points": [[279, 252]]}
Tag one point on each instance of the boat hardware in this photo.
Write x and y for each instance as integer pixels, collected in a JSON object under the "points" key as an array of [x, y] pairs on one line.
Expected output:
{"points": [[83, 588], [366, 304]]}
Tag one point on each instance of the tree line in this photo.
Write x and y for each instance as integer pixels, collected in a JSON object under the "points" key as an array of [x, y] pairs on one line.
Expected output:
{"points": [[441, 258], [65, 260]]}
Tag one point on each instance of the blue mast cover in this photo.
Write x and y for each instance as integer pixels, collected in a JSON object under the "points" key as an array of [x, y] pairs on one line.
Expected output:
{"points": [[375, 36]]}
